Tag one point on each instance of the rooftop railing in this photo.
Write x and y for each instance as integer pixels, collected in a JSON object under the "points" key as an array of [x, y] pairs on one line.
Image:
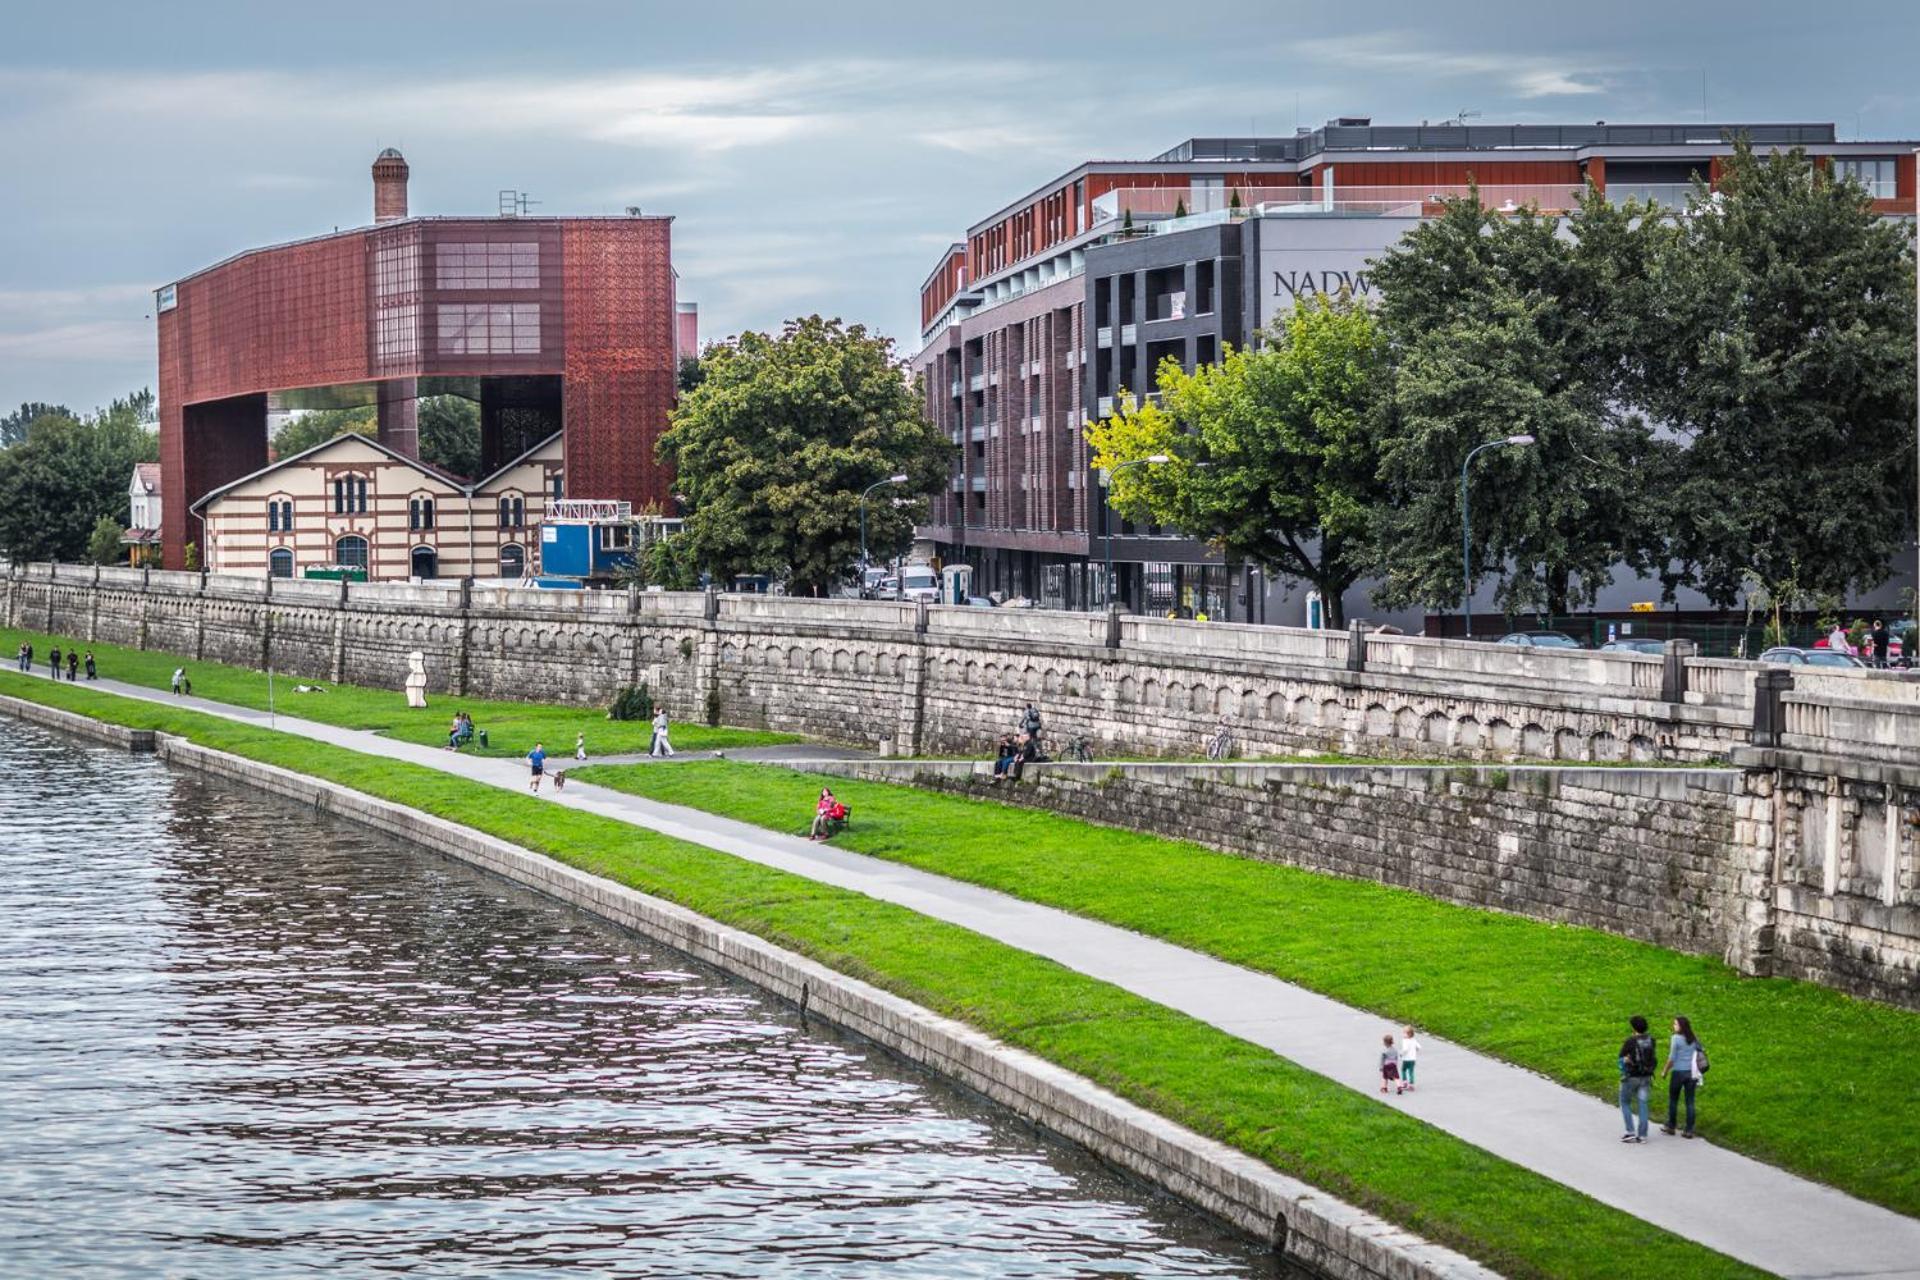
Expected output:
{"points": [[1158, 203]]}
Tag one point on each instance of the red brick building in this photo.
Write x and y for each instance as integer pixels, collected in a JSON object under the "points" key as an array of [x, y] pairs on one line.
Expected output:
{"points": [[549, 323]]}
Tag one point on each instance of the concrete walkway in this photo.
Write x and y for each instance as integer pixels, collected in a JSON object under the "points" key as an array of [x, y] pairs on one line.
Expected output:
{"points": [[1741, 1207]]}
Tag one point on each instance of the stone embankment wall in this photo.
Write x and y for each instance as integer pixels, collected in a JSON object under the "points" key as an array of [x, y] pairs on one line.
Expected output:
{"points": [[1817, 879], [944, 680], [1685, 858]]}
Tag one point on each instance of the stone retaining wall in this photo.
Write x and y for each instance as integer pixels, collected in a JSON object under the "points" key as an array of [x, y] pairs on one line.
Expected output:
{"points": [[1300, 1222], [940, 679], [1796, 865]]}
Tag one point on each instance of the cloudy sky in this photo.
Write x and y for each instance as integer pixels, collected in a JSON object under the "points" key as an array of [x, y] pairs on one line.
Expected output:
{"points": [[816, 156]]}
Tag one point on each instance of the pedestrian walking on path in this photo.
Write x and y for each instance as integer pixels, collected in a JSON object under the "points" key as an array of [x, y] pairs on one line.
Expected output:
{"points": [[26, 656], [660, 746], [1686, 1063], [1390, 1065], [53, 662], [1637, 1059], [1409, 1057], [93, 672], [73, 665], [537, 758], [580, 747], [180, 682]]}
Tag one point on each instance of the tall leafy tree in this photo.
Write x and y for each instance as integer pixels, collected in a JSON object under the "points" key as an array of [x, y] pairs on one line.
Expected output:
{"points": [[58, 483], [13, 426], [774, 446], [1274, 451], [450, 434], [103, 544], [1509, 324], [317, 426], [1782, 352]]}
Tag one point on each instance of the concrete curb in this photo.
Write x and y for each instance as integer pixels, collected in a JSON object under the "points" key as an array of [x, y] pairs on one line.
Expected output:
{"points": [[112, 735], [1302, 1223]]}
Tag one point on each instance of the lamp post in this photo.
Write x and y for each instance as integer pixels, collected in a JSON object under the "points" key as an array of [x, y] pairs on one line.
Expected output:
{"points": [[1466, 524], [1106, 508], [877, 484]]}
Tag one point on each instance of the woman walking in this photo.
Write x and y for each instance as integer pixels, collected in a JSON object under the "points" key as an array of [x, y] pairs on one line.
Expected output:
{"points": [[1686, 1063]]}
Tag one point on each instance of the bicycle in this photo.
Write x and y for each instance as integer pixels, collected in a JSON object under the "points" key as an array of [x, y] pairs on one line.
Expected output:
{"points": [[1220, 743], [1078, 748]]}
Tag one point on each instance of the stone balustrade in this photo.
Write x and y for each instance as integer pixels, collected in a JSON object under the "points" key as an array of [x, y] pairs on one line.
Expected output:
{"points": [[920, 678]]}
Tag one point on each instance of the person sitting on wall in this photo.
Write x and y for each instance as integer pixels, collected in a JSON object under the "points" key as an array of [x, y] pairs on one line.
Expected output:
{"points": [[1004, 756]]}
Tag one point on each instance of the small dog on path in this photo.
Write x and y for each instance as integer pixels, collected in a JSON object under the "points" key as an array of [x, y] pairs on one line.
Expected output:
{"points": [[559, 779]]}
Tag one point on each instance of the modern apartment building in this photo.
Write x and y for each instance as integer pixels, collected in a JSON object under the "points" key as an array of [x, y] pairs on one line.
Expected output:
{"points": [[1060, 301]]}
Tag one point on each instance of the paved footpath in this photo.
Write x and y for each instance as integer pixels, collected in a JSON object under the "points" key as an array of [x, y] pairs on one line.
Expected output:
{"points": [[1743, 1208]]}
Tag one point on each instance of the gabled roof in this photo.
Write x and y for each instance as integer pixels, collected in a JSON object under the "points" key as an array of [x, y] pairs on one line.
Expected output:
{"points": [[371, 442], [466, 488], [508, 466], [147, 475]]}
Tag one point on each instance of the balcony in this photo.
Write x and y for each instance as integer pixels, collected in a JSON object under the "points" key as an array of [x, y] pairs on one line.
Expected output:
{"points": [[978, 382], [1161, 208], [1103, 337]]}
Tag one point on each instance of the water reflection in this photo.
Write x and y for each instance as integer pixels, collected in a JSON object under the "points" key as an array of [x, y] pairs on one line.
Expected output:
{"points": [[240, 1039]]}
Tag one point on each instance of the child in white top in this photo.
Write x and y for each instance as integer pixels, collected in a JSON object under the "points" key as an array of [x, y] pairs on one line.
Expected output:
{"points": [[1409, 1058]]}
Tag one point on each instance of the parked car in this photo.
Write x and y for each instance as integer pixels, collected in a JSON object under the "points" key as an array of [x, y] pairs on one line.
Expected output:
{"points": [[1783, 655], [1541, 640], [1634, 646]]}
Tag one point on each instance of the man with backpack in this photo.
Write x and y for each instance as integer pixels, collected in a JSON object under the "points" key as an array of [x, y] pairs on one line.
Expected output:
{"points": [[1637, 1065]]}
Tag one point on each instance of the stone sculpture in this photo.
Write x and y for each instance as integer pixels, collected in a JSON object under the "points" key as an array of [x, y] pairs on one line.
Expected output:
{"points": [[416, 679]]}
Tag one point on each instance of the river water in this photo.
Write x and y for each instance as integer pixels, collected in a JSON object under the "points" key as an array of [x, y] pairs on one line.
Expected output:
{"points": [[239, 1039]]}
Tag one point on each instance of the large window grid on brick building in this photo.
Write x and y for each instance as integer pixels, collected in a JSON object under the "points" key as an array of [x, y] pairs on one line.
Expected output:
{"points": [[502, 264], [489, 328]]}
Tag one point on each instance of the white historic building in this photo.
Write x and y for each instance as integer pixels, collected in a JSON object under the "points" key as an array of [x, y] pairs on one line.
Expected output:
{"points": [[143, 512], [354, 502]]}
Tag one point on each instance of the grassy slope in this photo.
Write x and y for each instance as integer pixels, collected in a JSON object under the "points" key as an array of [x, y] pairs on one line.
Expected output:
{"points": [[1800, 1073], [1515, 1221], [513, 727]]}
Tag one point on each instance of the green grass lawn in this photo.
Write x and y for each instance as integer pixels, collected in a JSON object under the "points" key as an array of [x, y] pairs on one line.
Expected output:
{"points": [[1803, 1077], [1513, 1220], [512, 727]]}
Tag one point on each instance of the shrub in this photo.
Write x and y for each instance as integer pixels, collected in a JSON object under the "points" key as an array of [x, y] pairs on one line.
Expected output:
{"points": [[713, 705], [633, 702]]}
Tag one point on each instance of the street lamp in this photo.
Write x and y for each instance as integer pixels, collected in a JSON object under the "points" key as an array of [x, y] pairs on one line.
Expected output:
{"points": [[877, 484], [1466, 524], [1106, 517]]}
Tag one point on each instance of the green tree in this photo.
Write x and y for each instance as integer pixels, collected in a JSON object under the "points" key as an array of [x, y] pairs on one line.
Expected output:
{"points": [[690, 374], [1782, 352], [1274, 451], [1500, 325], [103, 545], [450, 434], [317, 426], [13, 427], [58, 482], [776, 444]]}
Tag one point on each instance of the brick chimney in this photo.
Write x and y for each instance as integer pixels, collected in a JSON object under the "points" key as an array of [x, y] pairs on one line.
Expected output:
{"points": [[389, 186]]}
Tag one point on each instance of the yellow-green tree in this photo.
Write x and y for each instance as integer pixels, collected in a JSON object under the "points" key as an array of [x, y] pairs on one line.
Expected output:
{"points": [[1272, 453]]}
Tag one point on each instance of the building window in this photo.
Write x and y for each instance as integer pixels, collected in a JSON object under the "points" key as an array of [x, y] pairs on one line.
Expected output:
{"points": [[489, 328], [559, 487], [350, 552], [505, 264], [513, 512], [349, 495], [424, 563], [420, 513], [513, 561], [280, 562], [1875, 173]]}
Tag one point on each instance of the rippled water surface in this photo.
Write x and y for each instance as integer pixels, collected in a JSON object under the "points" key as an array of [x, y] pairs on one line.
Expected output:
{"points": [[238, 1039]]}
